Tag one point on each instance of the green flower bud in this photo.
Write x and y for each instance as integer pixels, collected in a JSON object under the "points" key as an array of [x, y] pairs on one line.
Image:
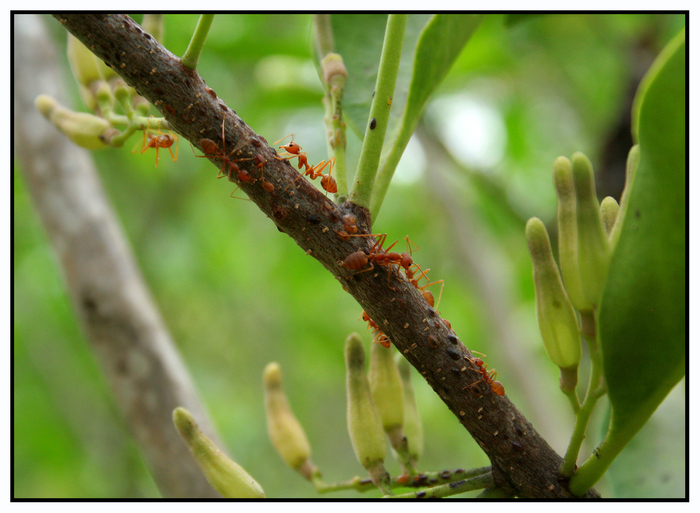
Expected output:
{"points": [[86, 67], [334, 71], [284, 429], [555, 313], [608, 214], [568, 234], [224, 475], [593, 246], [632, 163], [81, 128], [412, 426], [387, 391], [364, 422]]}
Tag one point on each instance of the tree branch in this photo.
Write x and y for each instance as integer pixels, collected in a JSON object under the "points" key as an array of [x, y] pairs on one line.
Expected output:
{"points": [[522, 461]]}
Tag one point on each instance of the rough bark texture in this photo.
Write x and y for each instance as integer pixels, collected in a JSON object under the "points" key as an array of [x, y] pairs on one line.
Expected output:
{"points": [[523, 463]]}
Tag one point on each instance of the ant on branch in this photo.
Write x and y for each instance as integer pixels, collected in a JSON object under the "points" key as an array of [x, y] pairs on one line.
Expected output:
{"points": [[379, 336], [359, 259], [349, 227], [157, 139], [293, 150], [487, 377], [212, 150]]}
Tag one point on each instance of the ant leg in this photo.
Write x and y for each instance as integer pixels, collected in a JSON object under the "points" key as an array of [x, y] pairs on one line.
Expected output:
{"points": [[143, 143], [371, 266], [283, 138], [177, 145]]}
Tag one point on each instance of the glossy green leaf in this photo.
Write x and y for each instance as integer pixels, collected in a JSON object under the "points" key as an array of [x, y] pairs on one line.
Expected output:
{"points": [[642, 314], [642, 319]]}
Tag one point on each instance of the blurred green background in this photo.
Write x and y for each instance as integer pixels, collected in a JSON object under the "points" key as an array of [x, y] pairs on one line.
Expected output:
{"points": [[236, 293]]}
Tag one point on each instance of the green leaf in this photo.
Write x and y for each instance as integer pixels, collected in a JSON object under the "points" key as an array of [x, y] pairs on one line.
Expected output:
{"points": [[359, 38], [439, 45], [642, 319], [642, 315]]}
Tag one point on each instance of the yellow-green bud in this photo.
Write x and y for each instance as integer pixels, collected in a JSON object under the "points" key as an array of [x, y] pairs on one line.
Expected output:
{"points": [[81, 128], [608, 214], [364, 422], [284, 429], [593, 246], [122, 93], [334, 72], [224, 475], [141, 105], [86, 67], [387, 391], [568, 234], [412, 425], [555, 313], [632, 163]]}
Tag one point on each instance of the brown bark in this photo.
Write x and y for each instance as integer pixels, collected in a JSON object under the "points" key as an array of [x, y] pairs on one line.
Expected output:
{"points": [[522, 461]]}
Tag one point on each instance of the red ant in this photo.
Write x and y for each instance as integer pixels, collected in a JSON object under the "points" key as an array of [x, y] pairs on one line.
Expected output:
{"points": [[211, 149], [359, 259], [429, 297], [379, 337], [261, 165], [349, 227], [292, 150], [487, 377], [157, 139]]}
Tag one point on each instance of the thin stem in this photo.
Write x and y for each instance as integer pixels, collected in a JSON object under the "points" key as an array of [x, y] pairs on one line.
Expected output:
{"points": [[334, 76], [375, 132], [323, 35], [362, 485], [593, 393], [194, 50], [466, 485]]}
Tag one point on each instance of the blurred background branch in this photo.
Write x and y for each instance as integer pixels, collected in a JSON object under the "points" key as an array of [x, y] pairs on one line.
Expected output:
{"points": [[121, 323]]}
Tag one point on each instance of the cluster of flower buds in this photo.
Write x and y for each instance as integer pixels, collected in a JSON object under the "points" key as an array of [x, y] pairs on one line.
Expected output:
{"points": [[224, 475], [585, 228], [101, 89]]}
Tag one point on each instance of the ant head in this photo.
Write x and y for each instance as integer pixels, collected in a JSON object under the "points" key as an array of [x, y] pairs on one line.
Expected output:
{"points": [[292, 147]]}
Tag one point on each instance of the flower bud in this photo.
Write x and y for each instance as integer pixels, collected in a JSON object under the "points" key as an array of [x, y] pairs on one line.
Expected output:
{"points": [[631, 168], [608, 214], [334, 71], [593, 246], [284, 429], [84, 64], [568, 234], [364, 422], [224, 475], [555, 313], [412, 426], [81, 128], [387, 391]]}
